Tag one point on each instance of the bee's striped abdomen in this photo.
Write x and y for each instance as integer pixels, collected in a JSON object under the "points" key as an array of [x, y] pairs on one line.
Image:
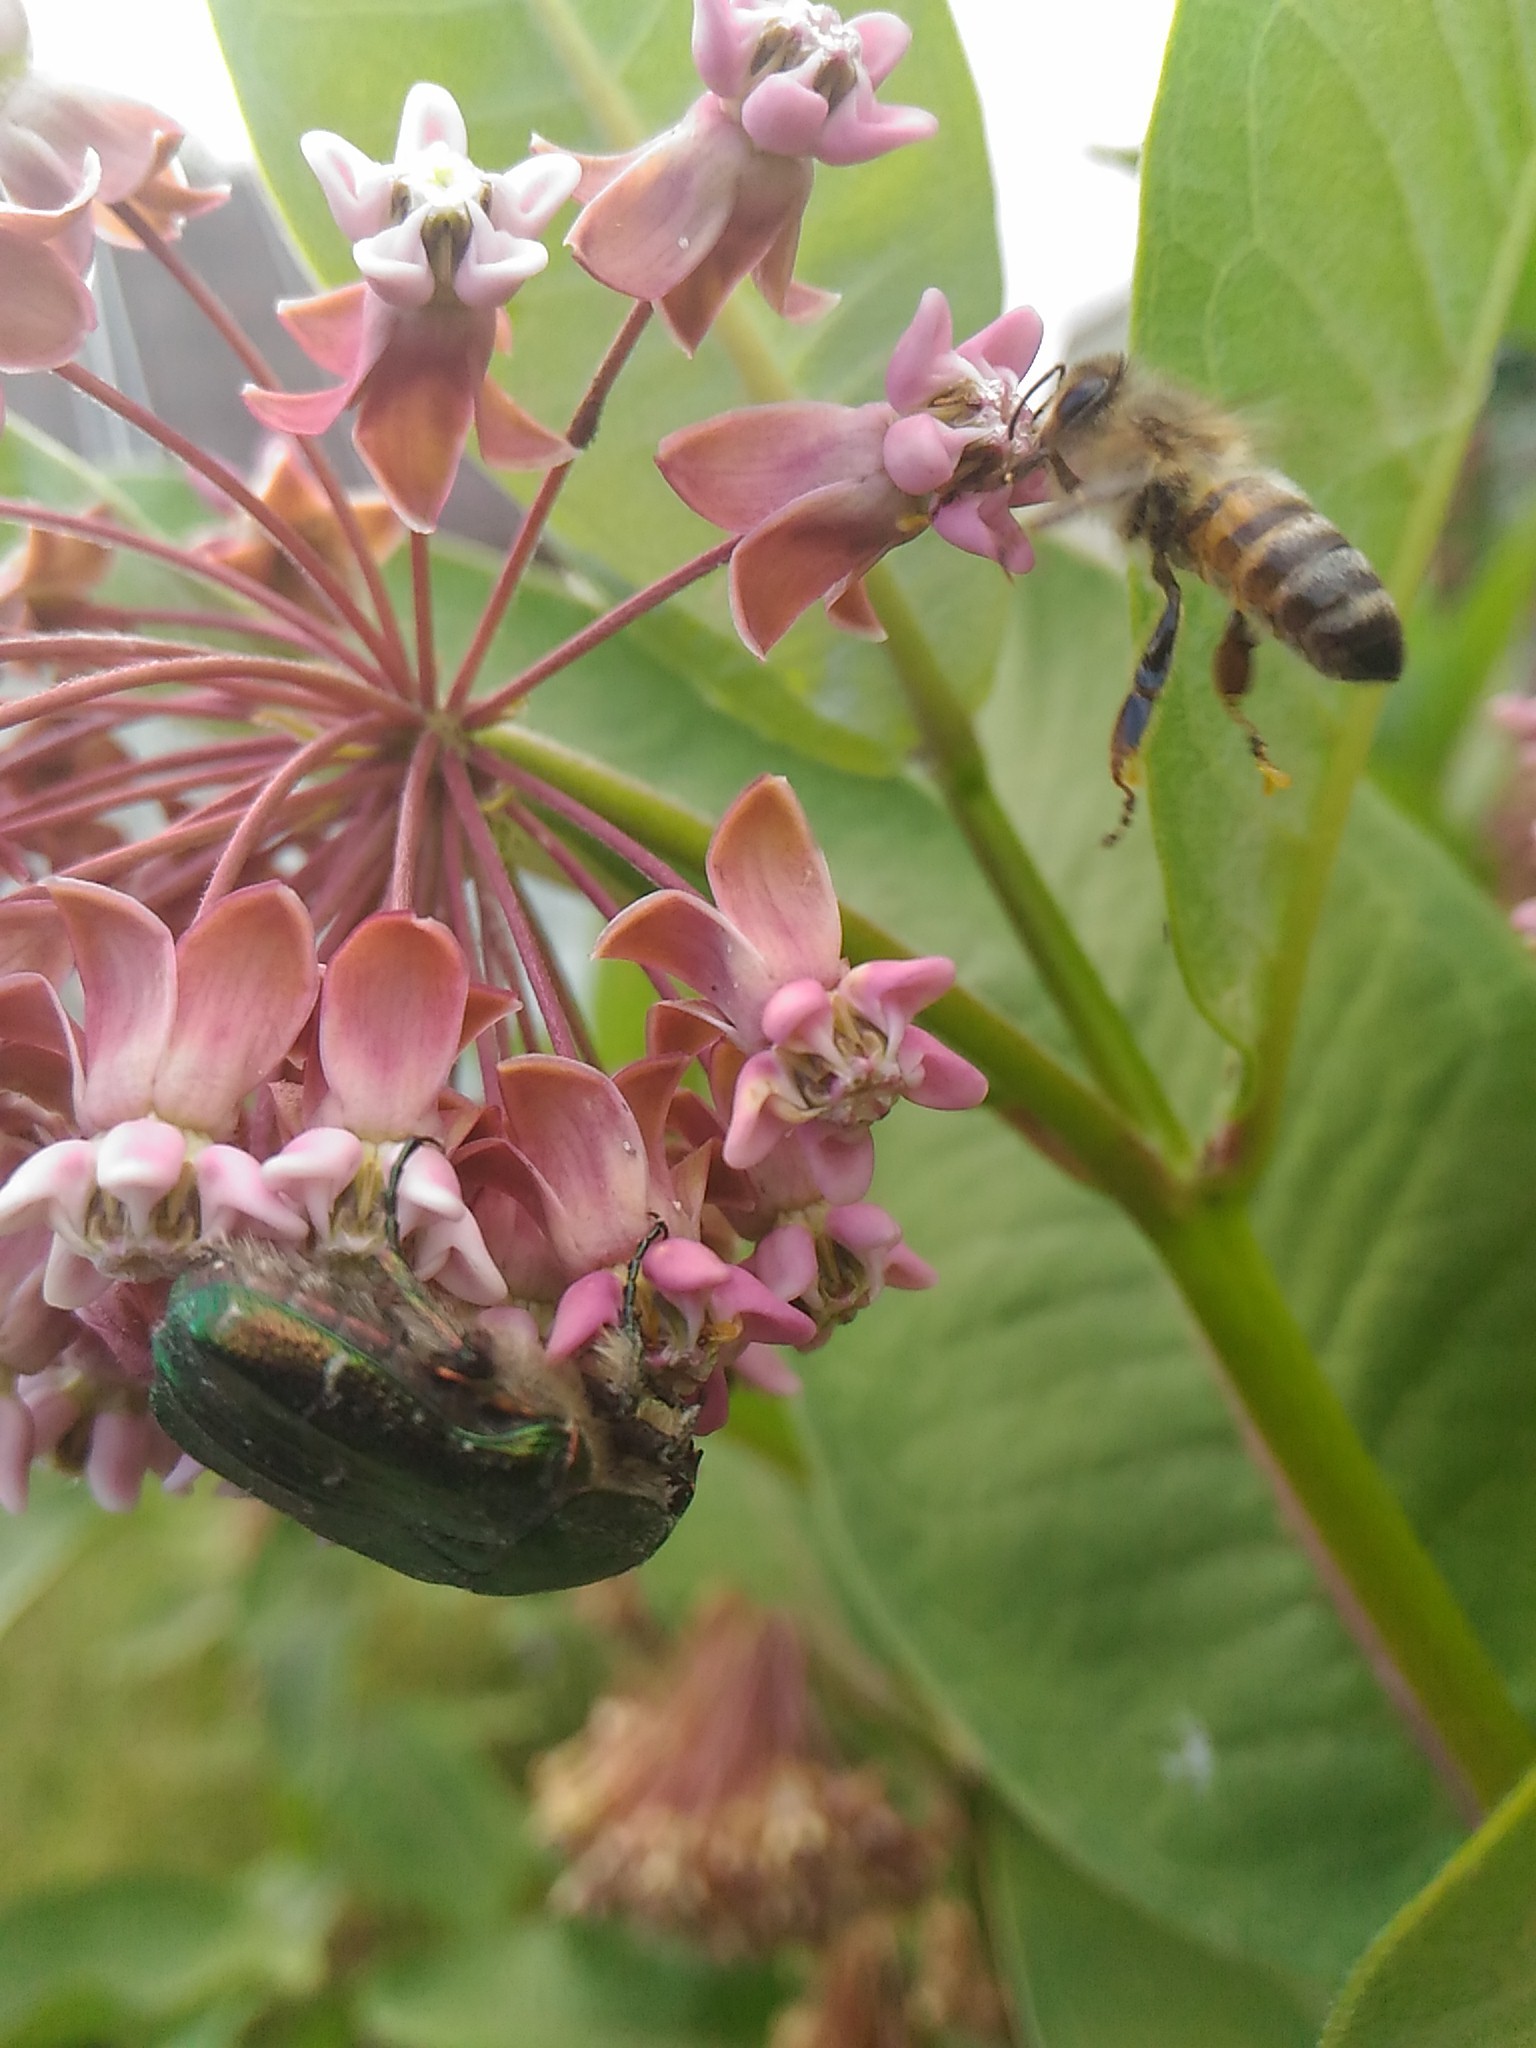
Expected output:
{"points": [[1258, 540]]}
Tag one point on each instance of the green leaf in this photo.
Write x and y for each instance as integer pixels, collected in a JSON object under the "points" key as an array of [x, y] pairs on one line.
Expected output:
{"points": [[603, 75], [565, 1987], [1337, 205], [1457, 1967], [102, 1961], [1090, 1970]]}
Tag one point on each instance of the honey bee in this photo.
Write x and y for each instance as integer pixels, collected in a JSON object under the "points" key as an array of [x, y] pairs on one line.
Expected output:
{"points": [[1179, 474]]}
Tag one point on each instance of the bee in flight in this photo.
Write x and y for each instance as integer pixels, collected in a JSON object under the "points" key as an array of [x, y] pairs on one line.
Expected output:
{"points": [[1179, 474]]}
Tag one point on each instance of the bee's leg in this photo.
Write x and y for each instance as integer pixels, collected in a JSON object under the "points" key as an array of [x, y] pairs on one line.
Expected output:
{"points": [[1136, 712], [1232, 672]]}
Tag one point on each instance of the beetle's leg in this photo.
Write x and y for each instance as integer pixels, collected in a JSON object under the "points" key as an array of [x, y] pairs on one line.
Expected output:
{"points": [[1232, 673], [1146, 686], [392, 1191], [657, 1230]]}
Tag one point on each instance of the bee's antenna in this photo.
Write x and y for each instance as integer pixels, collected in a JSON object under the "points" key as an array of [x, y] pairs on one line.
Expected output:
{"points": [[1057, 370]]}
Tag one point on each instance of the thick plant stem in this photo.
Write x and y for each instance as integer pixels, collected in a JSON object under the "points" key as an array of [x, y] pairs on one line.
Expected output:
{"points": [[959, 766], [1382, 1580]]}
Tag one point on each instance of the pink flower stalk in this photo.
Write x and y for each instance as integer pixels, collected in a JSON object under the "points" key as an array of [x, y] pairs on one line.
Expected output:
{"points": [[442, 246], [828, 1049], [682, 220], [820, 492], [67, 154]]}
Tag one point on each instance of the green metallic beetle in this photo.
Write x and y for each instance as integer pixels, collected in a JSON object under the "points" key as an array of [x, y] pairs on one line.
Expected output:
{"points": [[340, 1390]]}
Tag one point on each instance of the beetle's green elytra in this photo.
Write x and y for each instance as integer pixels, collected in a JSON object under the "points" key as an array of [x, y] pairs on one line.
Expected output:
{"points": [[339, 1390]]}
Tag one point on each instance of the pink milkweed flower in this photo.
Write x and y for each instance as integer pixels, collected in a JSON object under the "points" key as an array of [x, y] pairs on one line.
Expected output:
{"points": [[820, 492], [682, 220], [442, 246], [46, 308], [396, 1008], [625, 1227], [177, 1033], [829, 1048]]}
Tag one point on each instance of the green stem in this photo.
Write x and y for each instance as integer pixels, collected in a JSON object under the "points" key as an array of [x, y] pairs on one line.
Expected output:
{"points": [[1384, 1583], [1047, 1102], [960, 768]]}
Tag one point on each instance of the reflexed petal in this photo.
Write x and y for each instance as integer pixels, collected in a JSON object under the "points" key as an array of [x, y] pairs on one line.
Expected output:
{"points": [[357, 190], [390, 1013], [663, 213], [297, 412], [329, 326], [34, 940], [246, 982], [590, 1304], [46, 311], [511, 438], [807, 551], [758, 240], [771, 879], [127, 964], [18, 1435], [715, 1408], [685, 936], [417, 404], [943, 1079], [762, 1367], [579, 1137], [236, 1201], [783, 116], [742, 467], [122, 1451], [139, 1163]]}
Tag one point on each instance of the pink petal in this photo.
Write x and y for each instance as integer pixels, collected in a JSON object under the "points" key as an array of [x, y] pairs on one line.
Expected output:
{"points": [[51, 1187], [760, 1112], [771, 880], [312, 1169], [307, 413], [389, 1023], [851, 612], [685, 936], [34, 940], [511, 438], [430, 114], [454, 1256], [763, 1317], [893, 991], [784, 116], [981, 526], [715, 1408], [758, 240], [357, 190], [236, 1201], [246, 982], [762, 1367], [18, 1436], [842, 1160], [122, 1449], [139, 1163], [579, 1137], [329, 326], [905, 1269], [496, 263], [864, 1228], [417, 403], [591, 1304], [660, 216], [944, 1080], [680, 1266], [811, 548], [127, 965], [46, 311], [71, 1281], [800, 1015], [742, 467], [725, 36]]}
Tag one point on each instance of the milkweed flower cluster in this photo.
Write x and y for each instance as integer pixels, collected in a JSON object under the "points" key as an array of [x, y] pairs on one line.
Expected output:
{"points": [[271, 973]]}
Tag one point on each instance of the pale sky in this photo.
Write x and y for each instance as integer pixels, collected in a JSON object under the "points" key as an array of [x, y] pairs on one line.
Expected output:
{"points": [[1056, 81]]}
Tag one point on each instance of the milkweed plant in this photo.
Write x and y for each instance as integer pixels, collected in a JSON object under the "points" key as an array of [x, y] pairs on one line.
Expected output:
{"points": [[469, 1015]]}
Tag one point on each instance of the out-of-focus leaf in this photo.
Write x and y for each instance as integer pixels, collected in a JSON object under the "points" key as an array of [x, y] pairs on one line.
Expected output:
{"points": [[110, 1961], [604, 74], [1457, 1967], [1090, 1970], [1337, 204], [548, 1986]]}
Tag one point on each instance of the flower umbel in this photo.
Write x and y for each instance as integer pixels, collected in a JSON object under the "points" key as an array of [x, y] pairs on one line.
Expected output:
{"points": [[682, 220]]}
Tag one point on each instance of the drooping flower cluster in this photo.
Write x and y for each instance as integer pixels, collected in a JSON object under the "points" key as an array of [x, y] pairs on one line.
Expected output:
{"points": [[270, 973]]}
